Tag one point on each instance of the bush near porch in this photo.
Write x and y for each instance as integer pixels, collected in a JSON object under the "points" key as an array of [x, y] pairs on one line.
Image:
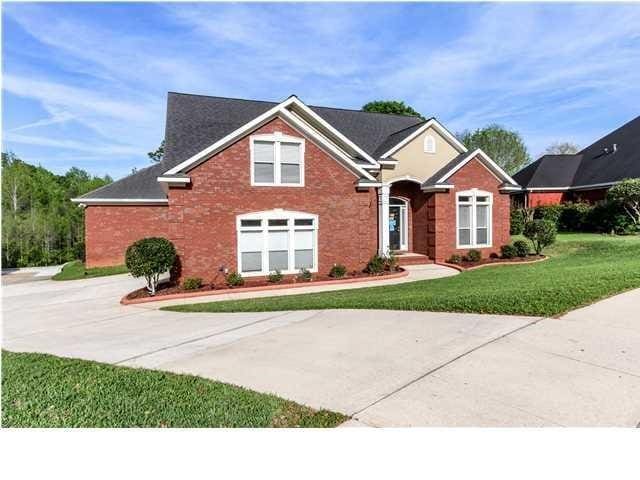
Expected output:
{"points": [[583, 268]]}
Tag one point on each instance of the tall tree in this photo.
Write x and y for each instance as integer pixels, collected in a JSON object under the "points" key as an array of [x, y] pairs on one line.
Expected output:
{"points": [[562, 148], [505, 147], [391, 106], [40, 225], [158, 154]]}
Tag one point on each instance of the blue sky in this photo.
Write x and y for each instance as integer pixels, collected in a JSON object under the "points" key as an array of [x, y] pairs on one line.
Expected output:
{"points": [[85, 84]]}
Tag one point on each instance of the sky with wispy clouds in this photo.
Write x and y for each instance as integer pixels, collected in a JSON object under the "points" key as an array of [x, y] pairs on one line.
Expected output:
{"points": [[85, 84]]}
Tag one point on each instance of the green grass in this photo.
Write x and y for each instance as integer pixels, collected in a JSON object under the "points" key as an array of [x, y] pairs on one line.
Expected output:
{"points": [[46, 391], [75, 271], [583, 268]]}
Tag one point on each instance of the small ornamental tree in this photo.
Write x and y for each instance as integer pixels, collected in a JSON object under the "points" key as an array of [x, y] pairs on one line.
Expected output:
{"points": [[150, 258], [627, 194], [542, 233]]}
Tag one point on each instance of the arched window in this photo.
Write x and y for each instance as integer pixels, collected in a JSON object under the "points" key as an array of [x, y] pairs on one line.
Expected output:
{"points": [[277, 240], [429, 144], [473, 218]]}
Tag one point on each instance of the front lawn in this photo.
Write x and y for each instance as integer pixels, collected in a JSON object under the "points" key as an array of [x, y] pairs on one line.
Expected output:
{"points": [[76, 270], [46, 391], [583, 268]]}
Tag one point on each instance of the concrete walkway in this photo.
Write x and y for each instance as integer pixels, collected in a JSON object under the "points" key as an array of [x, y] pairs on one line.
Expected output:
{"points": [[385, 368], [11, 276]]}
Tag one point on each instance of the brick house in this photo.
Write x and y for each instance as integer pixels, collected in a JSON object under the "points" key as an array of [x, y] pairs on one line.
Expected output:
{"points": [[585, 176], [257, 186]]}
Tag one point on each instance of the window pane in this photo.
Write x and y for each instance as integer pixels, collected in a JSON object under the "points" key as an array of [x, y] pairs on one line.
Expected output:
{"points": [[263, 172], [278, 240], [464, 236], [481, 236], [251, 261], [303, 239], [250, 223], [278, 222], [304, 221], [464, 216], [482, 199], [263, 152], [289, 173], [250, 242], [464, 199], [482, 215], [278, 260], [290, 153], [304, 259]]}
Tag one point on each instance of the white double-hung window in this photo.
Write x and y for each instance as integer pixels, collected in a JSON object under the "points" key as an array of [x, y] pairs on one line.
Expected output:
{"points": [[473, 218], [277, 159], [277, 240]]}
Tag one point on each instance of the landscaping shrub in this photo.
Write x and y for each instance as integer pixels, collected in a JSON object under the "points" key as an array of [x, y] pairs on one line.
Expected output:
{"points": [[574, 217], [391, 261], [474, 255], [508, 251], [234, 279], [626, 194], [376, 265], [191, 283], [305, 275], [455, 259], [518, 217], [521, 248], [275, 277], [548, 212], [609, 217], [338, 271], [494, 255], [150, 258], [542, 233]]}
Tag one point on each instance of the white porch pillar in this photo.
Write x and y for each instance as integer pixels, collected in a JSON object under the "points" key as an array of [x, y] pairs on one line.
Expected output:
{"points": [[383, 219]]}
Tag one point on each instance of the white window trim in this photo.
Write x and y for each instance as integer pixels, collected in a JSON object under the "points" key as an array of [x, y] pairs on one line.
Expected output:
{"points": [[474, 193], [429, 144], [277, 138], [276, 214]]}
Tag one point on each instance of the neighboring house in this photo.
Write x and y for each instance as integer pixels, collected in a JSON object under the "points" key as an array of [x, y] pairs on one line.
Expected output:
{"points": [[257, 186], [585, 176]]}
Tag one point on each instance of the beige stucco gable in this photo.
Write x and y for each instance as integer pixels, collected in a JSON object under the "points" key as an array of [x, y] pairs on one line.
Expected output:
{"points": [[415, 163]]}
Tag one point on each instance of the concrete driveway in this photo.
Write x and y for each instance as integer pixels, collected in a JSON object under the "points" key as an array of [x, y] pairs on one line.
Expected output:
{"points": [[385, 368]]}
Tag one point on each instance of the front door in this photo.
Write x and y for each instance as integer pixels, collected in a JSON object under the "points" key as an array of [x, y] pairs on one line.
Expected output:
{"points": [[395, 221]]}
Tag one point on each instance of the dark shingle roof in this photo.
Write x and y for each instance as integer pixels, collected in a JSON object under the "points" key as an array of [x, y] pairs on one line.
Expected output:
{"points": [[549, 171], [142, 184], [598, 163], [600, 167], [195, 122]]}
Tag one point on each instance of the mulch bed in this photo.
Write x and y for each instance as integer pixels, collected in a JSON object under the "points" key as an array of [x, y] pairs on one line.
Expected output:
{"points": [[489, 261], [171, 288]]}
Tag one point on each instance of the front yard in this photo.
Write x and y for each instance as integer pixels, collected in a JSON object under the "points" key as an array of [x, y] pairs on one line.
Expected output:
{"points": [[46, 391], [583, 268]]}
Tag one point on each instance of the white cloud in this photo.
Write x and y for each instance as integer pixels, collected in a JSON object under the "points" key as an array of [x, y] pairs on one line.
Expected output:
{"points": [[549, 71]]}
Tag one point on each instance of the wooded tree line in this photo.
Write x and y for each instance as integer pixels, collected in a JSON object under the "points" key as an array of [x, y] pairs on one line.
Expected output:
{"points": [[40, 225]]}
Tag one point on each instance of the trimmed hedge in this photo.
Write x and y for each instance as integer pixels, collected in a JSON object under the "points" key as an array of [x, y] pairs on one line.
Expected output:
{"points": [[604, 217]]}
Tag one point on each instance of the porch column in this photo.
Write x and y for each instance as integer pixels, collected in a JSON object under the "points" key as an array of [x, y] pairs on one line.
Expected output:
{"points": [[383, 219]]}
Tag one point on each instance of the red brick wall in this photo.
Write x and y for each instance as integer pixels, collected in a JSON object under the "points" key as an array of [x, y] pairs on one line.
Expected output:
{"points": [[202, 217], [109, 230], [441, 208], [546, 198]]}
